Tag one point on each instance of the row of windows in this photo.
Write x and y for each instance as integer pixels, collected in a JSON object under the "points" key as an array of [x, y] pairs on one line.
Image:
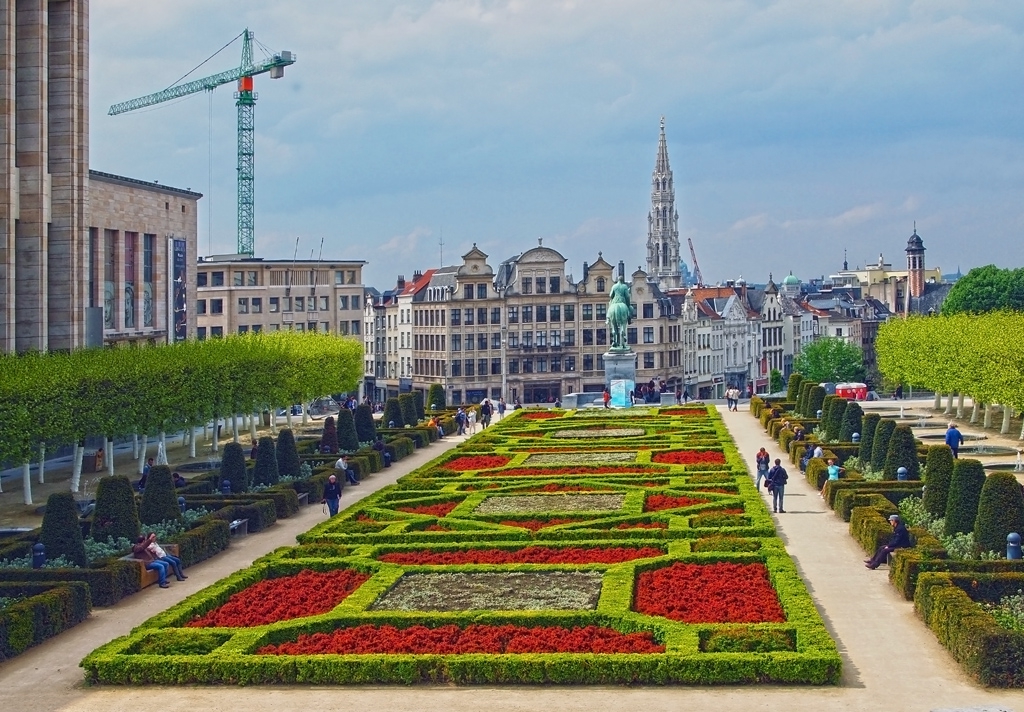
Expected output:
{"points": [[345, 328], [251, 278], [254, 305], [542, 365], [551, 285], [480, 289]]}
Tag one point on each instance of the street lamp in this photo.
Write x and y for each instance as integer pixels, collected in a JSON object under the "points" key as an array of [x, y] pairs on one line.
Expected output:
{"points": [[504, 360]]}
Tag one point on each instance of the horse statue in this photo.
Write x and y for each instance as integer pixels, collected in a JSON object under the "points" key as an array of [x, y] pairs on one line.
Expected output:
{"points": [[619, 311]]}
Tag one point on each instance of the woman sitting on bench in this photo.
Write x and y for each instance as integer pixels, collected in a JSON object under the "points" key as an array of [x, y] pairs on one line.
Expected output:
{"points": [[146, 549]]}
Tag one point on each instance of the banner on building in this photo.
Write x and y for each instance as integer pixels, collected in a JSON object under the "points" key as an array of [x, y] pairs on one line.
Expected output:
{"points": [[180, 290]]}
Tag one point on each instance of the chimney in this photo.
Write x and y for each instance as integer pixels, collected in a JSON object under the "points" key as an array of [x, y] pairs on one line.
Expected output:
{"points": [[586, 271], [416, 275], [622, 269], [401, 281]]}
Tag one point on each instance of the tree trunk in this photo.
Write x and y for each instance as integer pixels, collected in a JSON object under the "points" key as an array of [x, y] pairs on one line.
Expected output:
{"points": [[234, 427], [305, 413], [273, 421], [206, 432], [949, 404], [26, 480], [161, 449], [1007, 414], [988, 415], [252, 427], [288, 417], [974, 412], [76, 470], [42, 463], [216, 435], [960, 406], [143, 446], [191, 441], [938, 401], [135, 446], [110, 456]]}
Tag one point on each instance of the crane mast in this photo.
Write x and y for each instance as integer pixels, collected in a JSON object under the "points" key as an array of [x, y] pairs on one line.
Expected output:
{"points": [[697, 276]]}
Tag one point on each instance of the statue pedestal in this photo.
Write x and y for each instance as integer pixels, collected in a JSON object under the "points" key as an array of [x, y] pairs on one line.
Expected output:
{"points": [[620, 376]]}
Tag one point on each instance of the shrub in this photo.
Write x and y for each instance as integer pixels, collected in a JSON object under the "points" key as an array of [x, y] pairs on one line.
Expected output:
{"points": [[867, 436], [801, 399], [39, 611], [435, 396], [902, 453], [835, 418], [853, 418], [1000, 511], [408, 405], [116, 516], [348, 440], [793, 387], [265, 472], [417, 398], [939, 464], [880, 445], [233, 468], [826, 407], [775, 380], [815, 401], [393, 414], [964, 492], [329, 439], [62, 533], [159, 499], [366, 430], [287, 455]]}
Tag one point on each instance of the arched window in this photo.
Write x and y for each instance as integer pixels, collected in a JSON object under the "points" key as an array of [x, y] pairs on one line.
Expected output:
{"points": [[600, 284]]}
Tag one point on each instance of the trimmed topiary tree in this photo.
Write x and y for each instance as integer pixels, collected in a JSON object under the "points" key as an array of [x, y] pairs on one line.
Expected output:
{"points": [[1000, 511], [815, 401], [435, 396], [159, 500], [62, 532], [939, 464], [880, 446], [902, 453], [852, 421], [835, 417], [826, 408], [793, 387], [408, 405], [287, 454], [233, 468], [964, 493], [265, 472], [393, 414], [867, 436], [801, 400], [116, 515], [329, 439], [417, 397], [366, 429], [348, 440]]}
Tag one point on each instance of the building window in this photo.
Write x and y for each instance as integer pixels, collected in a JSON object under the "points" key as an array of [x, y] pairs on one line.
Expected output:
{"points": [[631, 335], [602, 312], [513, 365], [495, 366], [275, 305], [556, 338], [555, 285], [527, 286], [201, 279], [600, 284], [648, 360], [456, 317], [343, 328], [257, 328], [470, 341], [481, 316], [252, 278], [588, 312], [602, 337], [588, 337], [481, 291], [238, 279], [481, 367], [286, 304], [570, 337], [243, 305], [556, 365], [242, 329], [470, 366], [339, 277], [527, 315], [350, 276], [527, 365], [555, 312], [527, 339], [216, 332], [216, 280], [148, 290], [513, 315], [481, 342], [496, 315], [456, 367], [257, 305], [467, 291], [648, 311], [300, 304], [542, 365], [540, 285], [495, 340], [542, 313], [216, 306], [570, 363], [542, 339], [311, 304], [469, 317], [513, 339], [201, 333], [570, 312], [456, 342], [200, 306], [588, 362], [355, 301], [600, 362]]}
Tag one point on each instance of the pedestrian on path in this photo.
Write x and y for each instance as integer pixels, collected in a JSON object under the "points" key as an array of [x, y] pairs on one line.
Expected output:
{"points": [[607, 397], [763, 460], [472, 422], [777, 479], [954, 438], [332, 494]]}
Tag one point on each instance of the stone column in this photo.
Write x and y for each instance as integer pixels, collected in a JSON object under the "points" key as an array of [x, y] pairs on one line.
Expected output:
{"points": [[8, 176]]}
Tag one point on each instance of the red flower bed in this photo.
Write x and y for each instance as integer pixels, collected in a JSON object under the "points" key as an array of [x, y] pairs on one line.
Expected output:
{"points": [[542, 415], [580, 470], [688, 412], [528, 555], [709, 593], [658, 502], [535, 524], [477, 462], [436, 528], [452, 640], [642, 525], [307, 593], [690, 457], [434, 510]]}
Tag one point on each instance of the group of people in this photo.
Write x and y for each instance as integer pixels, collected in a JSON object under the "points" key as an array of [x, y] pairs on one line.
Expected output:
{"points": [[732, 398], [157, 559], [466, 419], [179, 481], [775, 478]]}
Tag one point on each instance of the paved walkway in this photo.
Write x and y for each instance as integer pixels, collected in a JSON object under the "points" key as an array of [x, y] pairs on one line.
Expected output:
{"points": [[891, 661]]}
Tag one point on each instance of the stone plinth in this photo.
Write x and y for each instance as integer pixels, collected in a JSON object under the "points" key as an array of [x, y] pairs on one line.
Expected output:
{"points": [[620, 368]]}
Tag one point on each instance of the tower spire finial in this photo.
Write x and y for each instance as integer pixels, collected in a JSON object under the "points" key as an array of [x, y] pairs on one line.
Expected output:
{"points": [[663, 250]]}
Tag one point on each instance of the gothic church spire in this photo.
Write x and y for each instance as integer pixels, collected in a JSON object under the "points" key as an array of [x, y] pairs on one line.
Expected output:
{"points": [[663, 222]]}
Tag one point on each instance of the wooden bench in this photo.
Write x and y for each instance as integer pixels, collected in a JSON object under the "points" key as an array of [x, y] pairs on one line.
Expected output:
{"points": [[303, 499], [239, 527], [146, 576]]}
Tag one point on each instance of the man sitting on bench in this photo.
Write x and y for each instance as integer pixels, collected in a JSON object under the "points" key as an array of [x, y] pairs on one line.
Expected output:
{"points": [[900, 539], [146, 549]]}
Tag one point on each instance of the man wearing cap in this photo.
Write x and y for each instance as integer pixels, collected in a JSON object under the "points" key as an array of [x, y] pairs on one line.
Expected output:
{"points": [[332, 494], [900, 539]]}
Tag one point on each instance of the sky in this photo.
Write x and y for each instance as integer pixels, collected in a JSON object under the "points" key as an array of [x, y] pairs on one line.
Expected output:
{"points": [[797, 129]]}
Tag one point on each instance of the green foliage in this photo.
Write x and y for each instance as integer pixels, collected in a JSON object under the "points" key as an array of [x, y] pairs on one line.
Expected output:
{"points": [[38, 611], [435, 397], [1000, 511], [348, 440], [418, 400], [233, 468], [159, 499], [826, 408], [265, 471], [366, 429], [803, 398], [830, 359], [329, 439], [835, 418], [815, 401], [116, 515], [393, 414], [793, 386], [986, 289], [747, 640], [939, 465], [852, 422], [408, 406], [775, 382], [880, 446], [902, 452], [867, 436], [287, 455], [62, 533], [964, 494]]}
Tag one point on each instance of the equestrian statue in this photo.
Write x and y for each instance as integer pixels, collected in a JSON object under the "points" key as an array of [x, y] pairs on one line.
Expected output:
{"points": [[620, 310]]}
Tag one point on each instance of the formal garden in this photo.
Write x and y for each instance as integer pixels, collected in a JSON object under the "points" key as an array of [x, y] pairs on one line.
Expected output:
{"points": [[956, 572]]}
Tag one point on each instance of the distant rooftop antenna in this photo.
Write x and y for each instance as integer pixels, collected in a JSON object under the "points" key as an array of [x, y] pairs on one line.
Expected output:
{"points": [[440, 245]]}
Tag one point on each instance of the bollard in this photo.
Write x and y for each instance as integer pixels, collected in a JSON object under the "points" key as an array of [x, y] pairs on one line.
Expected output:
{"points": [[39, 556], [901, 473], [855, 437], [819, 414], [225, 487], [181, 504], [1013, 545]]}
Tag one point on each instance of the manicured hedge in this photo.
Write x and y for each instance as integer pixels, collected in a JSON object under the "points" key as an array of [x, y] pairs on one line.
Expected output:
{"points": [[43, 611]]}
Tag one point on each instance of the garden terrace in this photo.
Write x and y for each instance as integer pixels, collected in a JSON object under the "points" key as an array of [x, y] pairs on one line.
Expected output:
{"points": [[481, 567]]}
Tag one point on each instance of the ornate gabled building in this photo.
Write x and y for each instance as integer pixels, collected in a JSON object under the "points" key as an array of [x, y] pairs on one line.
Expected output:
{"points": [[663, 223]]}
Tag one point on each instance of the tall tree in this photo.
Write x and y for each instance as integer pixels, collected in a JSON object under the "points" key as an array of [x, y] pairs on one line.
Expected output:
{"points": [[830, 359], [986, 289]]}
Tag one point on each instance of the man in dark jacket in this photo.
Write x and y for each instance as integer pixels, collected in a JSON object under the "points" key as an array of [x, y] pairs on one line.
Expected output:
{"points": [[332, 494], [954, 438], [900, 539], [777, 479]]}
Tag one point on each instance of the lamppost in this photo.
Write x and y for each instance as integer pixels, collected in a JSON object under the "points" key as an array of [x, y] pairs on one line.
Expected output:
{"points": [[504, 359]]}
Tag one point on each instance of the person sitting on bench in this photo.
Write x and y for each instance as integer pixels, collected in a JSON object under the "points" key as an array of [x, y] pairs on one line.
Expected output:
{"points": [[341, 466], [146, 549], [900, 539]]}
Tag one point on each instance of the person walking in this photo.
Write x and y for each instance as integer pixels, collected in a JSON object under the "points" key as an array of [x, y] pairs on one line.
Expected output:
{"points": [[763, 461], [460, 420], [777, 479], [607, 397], [471, 416], [501, 408], [954, 438], [486, 409], [332, 494]]}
